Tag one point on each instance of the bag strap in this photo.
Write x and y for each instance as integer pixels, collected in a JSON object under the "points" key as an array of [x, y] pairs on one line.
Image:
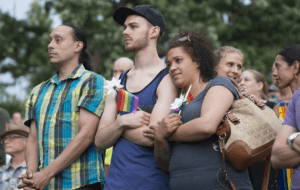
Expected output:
{"points": [[266, 173], [243, 93], [222, 142]]}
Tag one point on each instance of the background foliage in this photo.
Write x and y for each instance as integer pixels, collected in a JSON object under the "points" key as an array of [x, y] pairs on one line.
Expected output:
{"points": [[259, 28]]}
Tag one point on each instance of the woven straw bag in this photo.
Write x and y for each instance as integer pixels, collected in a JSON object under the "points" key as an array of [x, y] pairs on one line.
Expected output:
{"points": [[247, 132]]}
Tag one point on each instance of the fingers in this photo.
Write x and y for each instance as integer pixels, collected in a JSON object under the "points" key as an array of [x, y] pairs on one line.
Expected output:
{"points": [[23, 185], [174, 115], [149, 133], [29, 173], [27, 181], [23, 176]]}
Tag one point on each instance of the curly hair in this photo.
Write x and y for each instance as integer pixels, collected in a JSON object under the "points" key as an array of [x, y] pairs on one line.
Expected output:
{"points": [[201, 50]]}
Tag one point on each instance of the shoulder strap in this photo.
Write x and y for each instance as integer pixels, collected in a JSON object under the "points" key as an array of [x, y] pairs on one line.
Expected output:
{"points": [[243, 93]]}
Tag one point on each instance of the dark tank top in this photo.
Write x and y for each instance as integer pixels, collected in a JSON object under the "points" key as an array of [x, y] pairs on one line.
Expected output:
{"points": [[134, 166]]}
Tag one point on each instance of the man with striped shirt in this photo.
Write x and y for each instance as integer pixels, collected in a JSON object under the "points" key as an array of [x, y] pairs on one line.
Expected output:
{"points": [[63, 114]]}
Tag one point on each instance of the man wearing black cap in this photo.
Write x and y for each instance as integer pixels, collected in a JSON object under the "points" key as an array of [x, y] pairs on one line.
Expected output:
{"points": [[133, 165]]}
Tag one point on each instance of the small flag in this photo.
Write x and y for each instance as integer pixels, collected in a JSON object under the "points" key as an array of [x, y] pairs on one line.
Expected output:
{"points": [[189, 98], [127, 102]]}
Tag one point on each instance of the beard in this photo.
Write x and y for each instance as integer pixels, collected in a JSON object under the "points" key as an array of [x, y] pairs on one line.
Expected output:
{"points": [[137, 44]]}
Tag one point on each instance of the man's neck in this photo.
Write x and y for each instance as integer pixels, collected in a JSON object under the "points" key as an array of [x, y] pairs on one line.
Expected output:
{"points": [[146, 58], [17, 159], [65, 70]]}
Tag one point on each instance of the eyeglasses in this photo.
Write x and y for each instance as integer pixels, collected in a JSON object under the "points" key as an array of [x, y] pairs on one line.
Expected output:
{"points": [[10, 138], [185, 38]]}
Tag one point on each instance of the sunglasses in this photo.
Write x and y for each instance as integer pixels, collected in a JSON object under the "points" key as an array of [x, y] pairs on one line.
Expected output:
{"points": [[185, 38], [9, 138]]}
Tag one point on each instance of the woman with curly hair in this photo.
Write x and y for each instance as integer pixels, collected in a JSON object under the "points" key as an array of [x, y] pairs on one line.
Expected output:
{"points": [[184, 144]]}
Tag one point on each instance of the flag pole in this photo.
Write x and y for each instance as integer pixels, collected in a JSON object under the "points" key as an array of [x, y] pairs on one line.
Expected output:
{"points": [[186, 97]]}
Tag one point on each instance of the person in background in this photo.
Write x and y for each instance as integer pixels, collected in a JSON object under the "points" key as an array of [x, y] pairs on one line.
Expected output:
{"points": [[63, 114], [4, 119], [14, 141], [17, 118], [121, 65], [274, 93], [230, 62], [184, 143], [285, 92], [286, 148], [254, 82]]}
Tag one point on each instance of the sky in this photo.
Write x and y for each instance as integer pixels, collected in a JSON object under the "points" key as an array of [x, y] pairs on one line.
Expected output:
{"points": [[18, 9]]}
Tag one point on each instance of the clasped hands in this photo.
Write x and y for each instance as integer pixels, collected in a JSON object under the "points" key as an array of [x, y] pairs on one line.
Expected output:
{"points": [[33, 181], [164, 128]]}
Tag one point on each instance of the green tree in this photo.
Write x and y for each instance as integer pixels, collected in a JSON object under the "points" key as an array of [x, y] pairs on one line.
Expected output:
{"points": [[259, 29], [24, 52], [24, 45], [105, 38]]}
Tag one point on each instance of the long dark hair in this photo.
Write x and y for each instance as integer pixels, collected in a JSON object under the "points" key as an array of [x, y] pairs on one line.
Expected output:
{"points": [[78, 35], [290, 54]]}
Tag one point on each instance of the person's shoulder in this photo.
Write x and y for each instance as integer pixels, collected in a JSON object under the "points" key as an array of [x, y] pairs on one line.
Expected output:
{"points": [[297, 93], [221, 80], [90, 75], [37, 88]]}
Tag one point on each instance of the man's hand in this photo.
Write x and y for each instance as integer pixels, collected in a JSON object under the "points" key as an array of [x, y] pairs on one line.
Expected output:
{"points": [[39, 181], [167, 126], [135, 120]]}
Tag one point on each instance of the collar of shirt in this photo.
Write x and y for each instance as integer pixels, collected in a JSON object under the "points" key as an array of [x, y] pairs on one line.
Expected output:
{"points": [[76, 73], [22, 165]]}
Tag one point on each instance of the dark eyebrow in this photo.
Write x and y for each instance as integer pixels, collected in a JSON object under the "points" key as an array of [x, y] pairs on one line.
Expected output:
{"points": [[177, 57], [131, 23]]}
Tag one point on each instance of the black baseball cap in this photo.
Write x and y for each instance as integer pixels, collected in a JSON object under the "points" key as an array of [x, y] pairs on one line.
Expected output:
{"points": [[147, 11]]}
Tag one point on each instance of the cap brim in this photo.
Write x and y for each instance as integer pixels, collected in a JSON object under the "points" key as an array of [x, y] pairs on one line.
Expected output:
{"points": [[122, 13], [19, 132]]}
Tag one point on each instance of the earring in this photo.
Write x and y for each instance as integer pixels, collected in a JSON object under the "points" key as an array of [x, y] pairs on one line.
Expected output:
{"points": [[295, 78]]}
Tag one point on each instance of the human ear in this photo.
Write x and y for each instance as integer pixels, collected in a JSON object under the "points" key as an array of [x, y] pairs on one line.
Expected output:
{"points": [[296, 66], [260, 86], [154, 32], [78, 46]]}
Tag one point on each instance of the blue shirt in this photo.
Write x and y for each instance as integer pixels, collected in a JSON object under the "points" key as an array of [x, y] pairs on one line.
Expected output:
{"points": [[55, 107], [133, 166]]}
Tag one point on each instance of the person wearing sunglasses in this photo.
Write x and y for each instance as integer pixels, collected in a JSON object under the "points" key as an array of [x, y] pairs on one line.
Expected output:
{"points": [[184, 143], [14, 142]]}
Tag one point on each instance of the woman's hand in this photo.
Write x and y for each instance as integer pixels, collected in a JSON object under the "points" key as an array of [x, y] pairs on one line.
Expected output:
{"points": [[167, 126]]}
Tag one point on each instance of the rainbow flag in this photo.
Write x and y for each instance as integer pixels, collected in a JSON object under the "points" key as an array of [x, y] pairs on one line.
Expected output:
{"points": [[189, 98], [127, 102]]}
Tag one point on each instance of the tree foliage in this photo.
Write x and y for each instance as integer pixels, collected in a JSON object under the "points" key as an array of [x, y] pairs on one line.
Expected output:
{"points": [[260, 29]]}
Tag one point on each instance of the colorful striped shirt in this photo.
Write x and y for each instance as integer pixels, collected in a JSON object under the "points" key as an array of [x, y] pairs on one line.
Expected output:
{"points": [[55, 107]]}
